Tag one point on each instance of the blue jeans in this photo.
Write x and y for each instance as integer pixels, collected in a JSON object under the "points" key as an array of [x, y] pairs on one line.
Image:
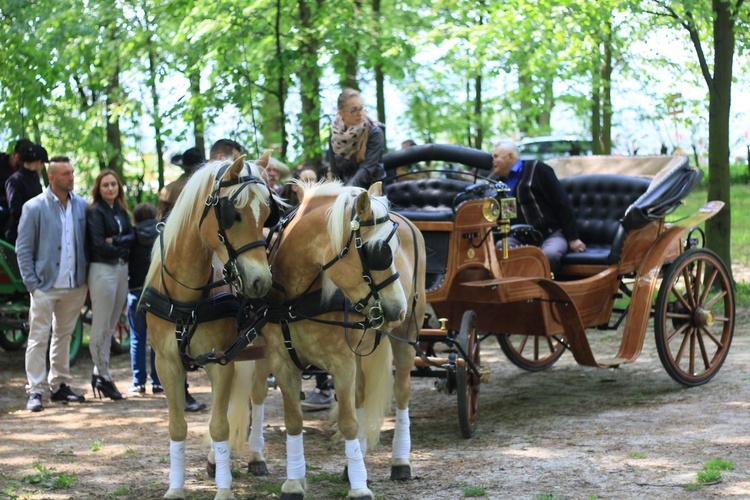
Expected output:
{"points": [[138, 332]]}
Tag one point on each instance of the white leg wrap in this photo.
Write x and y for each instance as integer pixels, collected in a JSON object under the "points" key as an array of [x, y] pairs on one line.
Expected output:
{"points": [[356, 465], [295, 457], [256, 431], [176, 464], [401, 435], [360, 412], [223, 474]]}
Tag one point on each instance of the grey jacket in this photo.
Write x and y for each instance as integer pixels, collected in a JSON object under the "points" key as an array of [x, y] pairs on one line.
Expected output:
{"points": [[39, 239]]}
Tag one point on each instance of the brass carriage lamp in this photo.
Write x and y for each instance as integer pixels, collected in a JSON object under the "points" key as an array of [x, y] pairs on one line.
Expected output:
{"points": [[506, 212]]}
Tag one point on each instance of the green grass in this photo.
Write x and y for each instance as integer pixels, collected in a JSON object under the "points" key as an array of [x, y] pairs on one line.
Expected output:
{"points": [[120, 492], [43, 477], [711, 473], [474, 491], [636, 454], [96, 444], [321, 476]]}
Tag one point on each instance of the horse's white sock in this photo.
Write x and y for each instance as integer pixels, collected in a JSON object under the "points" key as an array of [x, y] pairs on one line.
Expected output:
{"points": [[401, 435], [356, 465], [176, 464], [221, 454], [295, 457], [361, 432], [256, 431]]}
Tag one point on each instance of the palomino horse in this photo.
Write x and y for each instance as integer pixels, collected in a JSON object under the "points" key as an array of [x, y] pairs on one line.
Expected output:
{"points": [[220, 214], [343, 238]]}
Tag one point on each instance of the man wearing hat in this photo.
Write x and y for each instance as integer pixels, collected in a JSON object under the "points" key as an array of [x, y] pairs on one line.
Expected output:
{"points": [[23, 185], [191, 160]]}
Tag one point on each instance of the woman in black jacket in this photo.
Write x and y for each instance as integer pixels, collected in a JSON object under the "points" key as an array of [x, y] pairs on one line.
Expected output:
{"points": [[355, 148], [109, 236]]}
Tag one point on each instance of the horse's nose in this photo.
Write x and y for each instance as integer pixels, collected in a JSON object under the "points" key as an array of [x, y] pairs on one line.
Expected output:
{"points": [[395, 319], [260, 286]]}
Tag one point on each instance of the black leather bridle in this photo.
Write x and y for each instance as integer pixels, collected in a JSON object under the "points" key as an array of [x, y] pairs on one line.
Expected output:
{"points": [[378, 257]]}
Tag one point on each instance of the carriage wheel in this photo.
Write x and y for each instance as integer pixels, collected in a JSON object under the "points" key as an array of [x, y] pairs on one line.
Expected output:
{"points": [[13, 335], [467, 383], [694, 317], [532, 353]]}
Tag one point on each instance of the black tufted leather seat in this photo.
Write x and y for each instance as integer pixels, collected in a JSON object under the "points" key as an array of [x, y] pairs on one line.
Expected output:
{"points": [[599, 203], [425, 199]]}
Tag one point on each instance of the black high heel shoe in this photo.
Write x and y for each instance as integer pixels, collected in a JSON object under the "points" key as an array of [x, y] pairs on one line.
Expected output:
{"points": [[106, 387]]}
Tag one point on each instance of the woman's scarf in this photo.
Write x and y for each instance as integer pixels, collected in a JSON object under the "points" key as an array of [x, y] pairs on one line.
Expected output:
{"points": [[349, 141]]}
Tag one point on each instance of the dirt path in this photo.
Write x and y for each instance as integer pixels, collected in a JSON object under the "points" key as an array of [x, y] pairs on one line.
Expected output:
{"points": [[569, 432]]}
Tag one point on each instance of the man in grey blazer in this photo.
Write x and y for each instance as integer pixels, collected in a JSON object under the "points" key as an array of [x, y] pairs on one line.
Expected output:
{"points": [[52, 259]]}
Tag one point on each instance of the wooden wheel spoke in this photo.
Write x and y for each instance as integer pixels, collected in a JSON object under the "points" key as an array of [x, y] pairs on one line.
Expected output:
{"points": [[702, 346], [549, 344], [697, 281], [522, 344], [707, 284], [677, 332], [536, 348], [677, 315], [715, 299], [683, 344], [682, 300], [688, 289], [710, 335], [691, 358]]}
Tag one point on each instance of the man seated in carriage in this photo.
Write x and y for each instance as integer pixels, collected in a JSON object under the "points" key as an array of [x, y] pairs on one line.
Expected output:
{"points": [[542, 202]]}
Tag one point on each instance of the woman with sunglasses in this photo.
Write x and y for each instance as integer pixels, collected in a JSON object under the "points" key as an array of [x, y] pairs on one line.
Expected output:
{"points": [[355, 149]]}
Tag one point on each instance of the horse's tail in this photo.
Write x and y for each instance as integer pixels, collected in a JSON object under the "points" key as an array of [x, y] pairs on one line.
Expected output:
{"points": [[378, 390], [239, 399]]}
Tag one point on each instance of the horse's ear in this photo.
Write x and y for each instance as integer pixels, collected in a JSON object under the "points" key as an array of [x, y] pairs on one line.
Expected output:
{"points": [[236, 169], [376, 189], [264, 159], [362, 204]]}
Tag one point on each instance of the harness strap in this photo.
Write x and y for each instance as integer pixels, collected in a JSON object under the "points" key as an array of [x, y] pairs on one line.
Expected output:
{"points": [[288, 344]]}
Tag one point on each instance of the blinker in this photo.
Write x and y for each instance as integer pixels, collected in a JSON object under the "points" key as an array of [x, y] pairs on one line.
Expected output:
{"points": [[378, 255]]}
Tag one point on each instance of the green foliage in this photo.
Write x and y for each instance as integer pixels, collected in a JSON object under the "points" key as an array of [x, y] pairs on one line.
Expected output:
{"points": [[41, 475], [636, 454], [271, 488]]}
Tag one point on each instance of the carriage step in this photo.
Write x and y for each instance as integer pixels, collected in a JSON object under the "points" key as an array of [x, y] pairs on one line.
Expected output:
{"points": [[612, 362]]}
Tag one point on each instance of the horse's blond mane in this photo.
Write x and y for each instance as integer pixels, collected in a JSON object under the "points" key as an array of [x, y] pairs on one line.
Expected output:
{"points": [[339, 215], [187, 211]]}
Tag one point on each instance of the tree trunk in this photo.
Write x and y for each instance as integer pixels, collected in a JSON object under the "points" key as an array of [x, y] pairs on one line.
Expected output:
{"points": [[309, 76], [544, 120], [718, 228], [606, 86], [379, 76], [525, 126], [114, 161], [156, 114], [479, 131], [196, 104], [281, 83]]}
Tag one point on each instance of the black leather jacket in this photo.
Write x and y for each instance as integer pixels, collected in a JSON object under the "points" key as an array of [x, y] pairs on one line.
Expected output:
{"points": [[102, 223]]}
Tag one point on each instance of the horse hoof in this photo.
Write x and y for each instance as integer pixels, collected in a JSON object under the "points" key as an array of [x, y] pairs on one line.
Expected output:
{"points": [[257, 469], [362, 494], [292, 496], [400, 473], [175, 493], [224, 494], [210, 469]]}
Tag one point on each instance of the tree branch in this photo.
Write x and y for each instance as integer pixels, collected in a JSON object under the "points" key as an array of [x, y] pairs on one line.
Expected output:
{"points": [[695, 38]]}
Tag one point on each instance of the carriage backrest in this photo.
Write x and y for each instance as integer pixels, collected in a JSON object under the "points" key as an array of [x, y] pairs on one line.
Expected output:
{"points": [[425, 199]]}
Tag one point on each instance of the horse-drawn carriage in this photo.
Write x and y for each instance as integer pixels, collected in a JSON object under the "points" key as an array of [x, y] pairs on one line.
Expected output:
{"points": [[620, 205]]}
